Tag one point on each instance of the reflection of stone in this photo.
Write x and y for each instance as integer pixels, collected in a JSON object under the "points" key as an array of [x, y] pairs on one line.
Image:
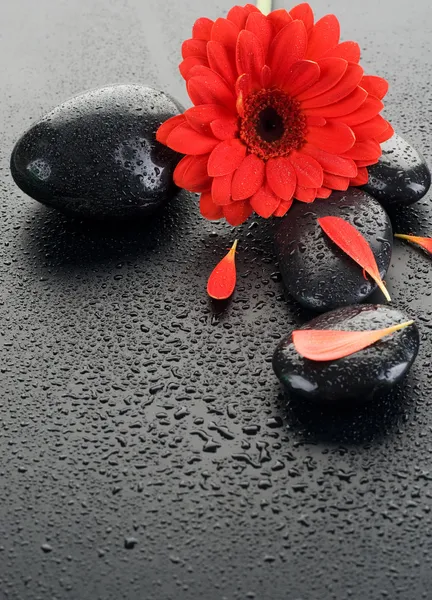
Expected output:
{"points": [[39, 169], [134, 156]]}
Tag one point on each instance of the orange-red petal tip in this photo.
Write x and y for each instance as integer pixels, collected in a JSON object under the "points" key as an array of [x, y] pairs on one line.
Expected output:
{"points": [[424, 242]]}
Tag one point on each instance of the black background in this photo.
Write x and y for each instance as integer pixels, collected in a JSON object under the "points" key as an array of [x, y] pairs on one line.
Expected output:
{"points": [[133, 408]]}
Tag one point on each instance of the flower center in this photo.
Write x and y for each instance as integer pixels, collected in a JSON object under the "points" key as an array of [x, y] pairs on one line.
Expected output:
{"points": [[273, 124]]}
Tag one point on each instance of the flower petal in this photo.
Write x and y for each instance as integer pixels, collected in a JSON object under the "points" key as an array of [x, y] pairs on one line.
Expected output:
{"points": [[309, 171], [283, 208], [209, 209], [304, 13], [305, 194], [225, 32], [237, 212], [210, 89], [281, 177], [189, 63], [315, 121], [194, 47], [239, 14], [224, 129], [335, 182], [202, 29], [343, 88], [386, 135], [221, 190], [323, 193], [340, 108], [370, 129], [221, 61], [288, 47], [362, 177], [369, 109], [200, 117], [249, 55], [323, 37], [186, 140], [166, 128], [375, 86], [300, 77], [226, 158], [334, 137], [331, 72], [264, 202], [336, 165], [349, 51], [191, 174], [367, 150], [260, 26], [248, 178], [279, 19]]}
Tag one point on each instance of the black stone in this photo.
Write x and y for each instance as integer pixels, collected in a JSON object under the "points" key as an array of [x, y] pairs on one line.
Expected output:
{"points": [[400, 177], [96, 154], [355, 377], [315, 271]]}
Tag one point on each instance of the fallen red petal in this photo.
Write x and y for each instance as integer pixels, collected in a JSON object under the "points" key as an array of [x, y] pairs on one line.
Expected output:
{"points": [[424, 242], [222, 281]]}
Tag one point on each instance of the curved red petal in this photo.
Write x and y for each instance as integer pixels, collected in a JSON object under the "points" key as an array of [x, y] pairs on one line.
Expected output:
{"points": [[386, 135], [308, 170], [264, 202], [189, 63], [166, 128], [209, 209], [288, 47], [369, 109], [194, 47], [200, 117], [281, 177], [335, 182], [323, 193], [334, 137], [249, 55], [303, 194], [225, 32], [261, 27], [300, 77], [226, 158], [367, 150], [345, 106], [304, 13], [283, 208], [331, 72], [221, 190], [370, 129], [221, 61], [191, 174], [237, 212], [324, 36], [341, 90], [248, 178], [362, 177], [279, 19], [202, 29], [365, 163], [224, 129], [210, 89], [186, 140], [375, 86], [349, 51], [315, 121], [332, 163]]}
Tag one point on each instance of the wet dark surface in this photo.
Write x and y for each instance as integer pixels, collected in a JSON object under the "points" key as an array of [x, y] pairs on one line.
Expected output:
{"points": [[147, 450]]}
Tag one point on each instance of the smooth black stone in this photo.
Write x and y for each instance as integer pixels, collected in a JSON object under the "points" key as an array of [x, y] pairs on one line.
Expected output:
{"points": [[316, 272], [355, 377], [96, 155], [400, 177]]}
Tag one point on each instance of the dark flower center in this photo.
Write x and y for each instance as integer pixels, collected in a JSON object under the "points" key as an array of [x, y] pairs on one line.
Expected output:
{"points": [[273, 124]]}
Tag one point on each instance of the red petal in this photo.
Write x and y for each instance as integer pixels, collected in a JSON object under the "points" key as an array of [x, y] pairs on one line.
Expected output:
{"points": [[386, 135], [346, 85], [237, 212], [202, 29], [221, 190], [304, 13], [186, 140], [225, 32], [265, 202], [279, 19], [191, 174], [166, 128], [239, 14], [283, 208], [224, 129], [362, 177], [309, 172], [194, 47], [370, 129], [367, 150], [332, 163], [369, 109], [375, 86], [334, 182], [323, 193], [300, 77], [210, 89], [189, 63], [288, 47], [331, 72], [349, 51], [305, 194], [248, 178], [323, 37], [200, 117], [365, 163], [226, 158], [243, 89], [260, 26], [424, 242], [221, 62], [222, 281], [334, 137], [281, 177], [343, 107], [249, 55], [265, 76], [208, 208]]}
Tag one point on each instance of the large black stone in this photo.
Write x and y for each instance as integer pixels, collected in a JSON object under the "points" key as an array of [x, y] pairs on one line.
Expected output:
{"points": [[96, 154], [400, 177], [355, 377], [315, 271]]}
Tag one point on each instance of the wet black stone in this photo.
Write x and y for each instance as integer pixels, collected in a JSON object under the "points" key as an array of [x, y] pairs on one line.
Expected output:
{"points": [[96, 155], [315, 271], [355, 377], [400, 177]]}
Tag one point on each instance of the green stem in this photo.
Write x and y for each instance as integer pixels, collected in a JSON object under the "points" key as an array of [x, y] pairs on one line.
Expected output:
{"points": [[264, 6]]}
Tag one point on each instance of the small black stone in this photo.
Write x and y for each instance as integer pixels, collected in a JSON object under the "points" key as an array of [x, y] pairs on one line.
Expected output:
{"points": [[315, 271], [358, 376], [96, 155], [400, 177]]}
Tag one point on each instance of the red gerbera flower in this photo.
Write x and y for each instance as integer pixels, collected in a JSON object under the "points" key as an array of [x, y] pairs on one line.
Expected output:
{"points": [[282, 110]]}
